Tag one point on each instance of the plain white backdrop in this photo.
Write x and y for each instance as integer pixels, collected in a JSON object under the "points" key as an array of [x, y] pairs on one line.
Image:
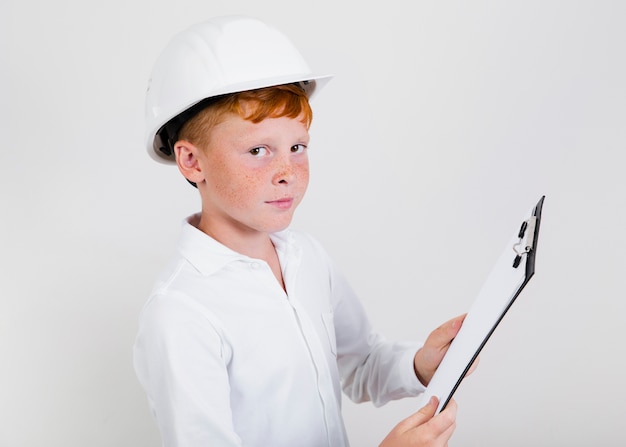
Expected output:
{"points": [[444, 124]]}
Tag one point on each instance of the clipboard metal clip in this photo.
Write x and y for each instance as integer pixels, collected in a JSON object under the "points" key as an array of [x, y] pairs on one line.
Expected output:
{"points": [[523, 247]]}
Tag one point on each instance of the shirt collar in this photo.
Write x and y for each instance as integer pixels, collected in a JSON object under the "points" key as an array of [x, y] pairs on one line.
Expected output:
{"points": [[209, 256]]}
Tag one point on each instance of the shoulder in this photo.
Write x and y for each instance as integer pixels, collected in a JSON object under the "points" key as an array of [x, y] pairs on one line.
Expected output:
{"points": [[173, 302]]}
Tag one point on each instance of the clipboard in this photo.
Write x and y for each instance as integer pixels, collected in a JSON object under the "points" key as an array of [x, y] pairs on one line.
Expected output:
{"points": [[507, 279]]}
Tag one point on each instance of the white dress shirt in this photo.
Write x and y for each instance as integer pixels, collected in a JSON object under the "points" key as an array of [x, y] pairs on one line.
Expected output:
{"points": [[227, 358]]}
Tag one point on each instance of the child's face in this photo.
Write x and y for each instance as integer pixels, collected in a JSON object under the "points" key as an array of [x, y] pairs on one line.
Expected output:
{"points": [[255, 175]]}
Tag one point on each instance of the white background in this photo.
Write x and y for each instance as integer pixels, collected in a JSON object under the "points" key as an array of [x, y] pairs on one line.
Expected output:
{"points": [[445, 122]]}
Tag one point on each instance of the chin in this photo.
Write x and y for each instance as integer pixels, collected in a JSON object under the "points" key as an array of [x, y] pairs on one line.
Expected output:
{"points": [[279, 226]]}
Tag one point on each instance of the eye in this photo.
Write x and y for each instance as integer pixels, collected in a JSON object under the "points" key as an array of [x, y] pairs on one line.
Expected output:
{"points": [[258, 151], [297, 148]]}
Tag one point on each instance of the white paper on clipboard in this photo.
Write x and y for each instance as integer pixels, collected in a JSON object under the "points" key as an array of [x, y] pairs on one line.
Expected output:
{"points": [[502, 287]]}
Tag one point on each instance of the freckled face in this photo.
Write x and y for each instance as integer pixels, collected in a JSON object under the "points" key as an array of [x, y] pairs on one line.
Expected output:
{"points": [[255, 174]]}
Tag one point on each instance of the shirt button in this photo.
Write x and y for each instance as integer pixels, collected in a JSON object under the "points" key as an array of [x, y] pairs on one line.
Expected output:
{"points": [[255, 266]]}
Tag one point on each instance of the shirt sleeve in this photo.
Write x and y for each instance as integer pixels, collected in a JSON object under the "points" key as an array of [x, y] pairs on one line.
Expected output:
{"points": [[180, 359], [371, 367]]}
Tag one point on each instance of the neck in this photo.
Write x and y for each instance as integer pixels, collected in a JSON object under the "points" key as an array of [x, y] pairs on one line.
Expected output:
{"points": [[251, 243]]}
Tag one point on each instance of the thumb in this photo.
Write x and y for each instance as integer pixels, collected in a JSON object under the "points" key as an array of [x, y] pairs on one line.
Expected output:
{"points": [[423, 415]]}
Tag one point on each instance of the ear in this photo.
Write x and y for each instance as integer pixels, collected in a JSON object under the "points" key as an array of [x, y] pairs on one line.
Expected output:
{"points": [[187, 159]]}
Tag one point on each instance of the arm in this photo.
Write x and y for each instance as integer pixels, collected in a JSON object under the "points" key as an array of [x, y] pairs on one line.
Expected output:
{"points": [[371, 367], [180, 360], [375, 370]]}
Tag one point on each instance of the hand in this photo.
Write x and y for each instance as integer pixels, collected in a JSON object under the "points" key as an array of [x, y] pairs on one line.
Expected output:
{"points": [[428, 358], [422, 429]]}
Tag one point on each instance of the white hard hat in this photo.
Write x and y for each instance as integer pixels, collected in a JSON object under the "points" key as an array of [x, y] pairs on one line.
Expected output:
{"points": [[220, 56]]}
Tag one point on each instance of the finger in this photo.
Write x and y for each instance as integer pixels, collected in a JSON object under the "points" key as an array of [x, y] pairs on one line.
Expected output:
{"points": [[421, 416], [443, 424], [453, 326], [444, 334], [474, 366]]}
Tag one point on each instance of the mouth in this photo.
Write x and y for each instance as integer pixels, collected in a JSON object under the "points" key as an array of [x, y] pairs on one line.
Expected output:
{"points": [[282, 204]]}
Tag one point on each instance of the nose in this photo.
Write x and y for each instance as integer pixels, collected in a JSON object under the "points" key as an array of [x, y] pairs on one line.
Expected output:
{"points": [[285, 172]]}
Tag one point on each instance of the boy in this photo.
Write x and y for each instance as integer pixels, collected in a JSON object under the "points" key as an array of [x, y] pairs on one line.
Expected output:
{"points": [[251, 333]]}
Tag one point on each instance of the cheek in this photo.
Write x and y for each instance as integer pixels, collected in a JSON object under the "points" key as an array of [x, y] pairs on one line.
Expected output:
{"points": [[237, 188], [227, 184], [305, 180], [303, 174]]}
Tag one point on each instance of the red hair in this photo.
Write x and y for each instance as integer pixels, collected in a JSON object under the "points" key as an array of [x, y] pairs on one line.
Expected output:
{"points": [[288, 100]]}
